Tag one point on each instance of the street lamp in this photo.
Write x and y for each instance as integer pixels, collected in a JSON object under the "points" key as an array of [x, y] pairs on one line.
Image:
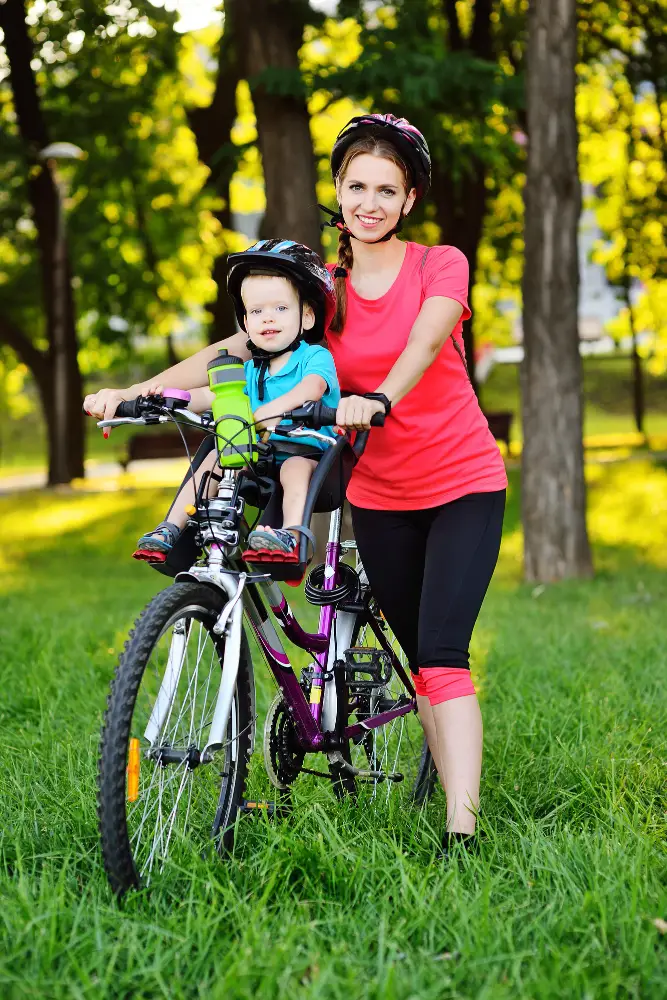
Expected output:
{"points": [[50, 155]]}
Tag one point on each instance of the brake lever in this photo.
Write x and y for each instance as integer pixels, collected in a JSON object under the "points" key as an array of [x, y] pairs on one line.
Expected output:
{"points": [[119, 421]]}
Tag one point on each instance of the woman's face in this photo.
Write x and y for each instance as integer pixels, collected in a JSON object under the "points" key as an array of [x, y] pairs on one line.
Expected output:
{"points": [[371, 196]]}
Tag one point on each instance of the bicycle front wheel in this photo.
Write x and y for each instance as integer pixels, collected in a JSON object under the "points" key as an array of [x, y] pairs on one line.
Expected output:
{"points": [[158, 796]]}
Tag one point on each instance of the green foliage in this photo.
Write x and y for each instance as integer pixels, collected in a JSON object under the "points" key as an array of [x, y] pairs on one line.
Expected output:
{"points": [[623, 116], [142, 237]]}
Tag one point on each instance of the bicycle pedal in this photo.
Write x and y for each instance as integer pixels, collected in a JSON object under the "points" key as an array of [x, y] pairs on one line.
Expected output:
{"points": [[251, 807], [367, 660]]}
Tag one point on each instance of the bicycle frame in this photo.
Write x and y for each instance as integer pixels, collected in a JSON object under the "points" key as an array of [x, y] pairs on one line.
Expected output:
{"points": [[316, 720]]}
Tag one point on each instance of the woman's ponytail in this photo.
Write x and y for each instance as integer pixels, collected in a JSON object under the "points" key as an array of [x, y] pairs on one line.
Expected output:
{"points": [[345, 261]]}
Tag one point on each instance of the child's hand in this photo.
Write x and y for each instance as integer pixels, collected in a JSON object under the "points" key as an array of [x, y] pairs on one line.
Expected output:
{"points": [[261, 414], [154, 390]]}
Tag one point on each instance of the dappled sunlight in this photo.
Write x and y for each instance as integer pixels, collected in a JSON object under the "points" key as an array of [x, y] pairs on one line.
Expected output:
{"points": [[627, 506], [32, 523]]}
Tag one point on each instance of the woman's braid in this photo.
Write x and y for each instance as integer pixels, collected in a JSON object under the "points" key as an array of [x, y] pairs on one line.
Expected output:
{"points": [[345, 260]]}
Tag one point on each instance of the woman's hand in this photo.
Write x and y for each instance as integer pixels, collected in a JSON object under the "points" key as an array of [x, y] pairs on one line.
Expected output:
{"points": [[103, 404], [355, 412]]}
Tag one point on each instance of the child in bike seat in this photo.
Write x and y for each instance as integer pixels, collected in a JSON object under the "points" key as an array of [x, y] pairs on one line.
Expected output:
{"points": [[284, 300]]}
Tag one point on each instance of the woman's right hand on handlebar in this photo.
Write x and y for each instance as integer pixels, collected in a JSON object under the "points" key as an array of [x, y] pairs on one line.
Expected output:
{"points": [[355, 412]]}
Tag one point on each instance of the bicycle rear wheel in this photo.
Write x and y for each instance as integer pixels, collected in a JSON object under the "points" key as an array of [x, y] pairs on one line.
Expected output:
{"points": [[157, 796], [399, 747]]}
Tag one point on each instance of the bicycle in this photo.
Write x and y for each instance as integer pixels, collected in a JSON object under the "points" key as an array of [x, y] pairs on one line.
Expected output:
{"points": [[179, 727]]}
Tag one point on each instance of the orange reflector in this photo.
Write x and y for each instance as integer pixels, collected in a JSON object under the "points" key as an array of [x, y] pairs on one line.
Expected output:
{"points": [[133, 771], [190, 510]]}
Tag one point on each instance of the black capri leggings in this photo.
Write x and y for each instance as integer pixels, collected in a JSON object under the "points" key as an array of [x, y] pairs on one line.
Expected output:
{"points": [[429, 571]]}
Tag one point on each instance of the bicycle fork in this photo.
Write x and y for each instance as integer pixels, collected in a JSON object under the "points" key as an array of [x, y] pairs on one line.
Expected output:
{"points": [[228, 624]]}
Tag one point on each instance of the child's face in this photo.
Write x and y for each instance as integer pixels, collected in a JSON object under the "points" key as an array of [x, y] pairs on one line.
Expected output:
{"points": [[272, 311]]}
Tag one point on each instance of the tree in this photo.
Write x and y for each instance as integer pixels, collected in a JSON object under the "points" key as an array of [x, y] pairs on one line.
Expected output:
{"points": [[270, 35], [142, 235], [56, 371], [453, 69], [624, 153], [553, 486], [212, 127]]}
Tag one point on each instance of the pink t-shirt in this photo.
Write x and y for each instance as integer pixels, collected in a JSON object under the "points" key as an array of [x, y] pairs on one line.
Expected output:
{"points": [[436, 444]]}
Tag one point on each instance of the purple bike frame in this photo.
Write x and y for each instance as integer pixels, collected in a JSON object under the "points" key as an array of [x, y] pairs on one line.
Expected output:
{"points": [[308, 716]]}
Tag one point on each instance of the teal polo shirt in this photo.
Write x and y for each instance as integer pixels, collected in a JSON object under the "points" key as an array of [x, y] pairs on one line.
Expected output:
{"points": [[307, 359]]}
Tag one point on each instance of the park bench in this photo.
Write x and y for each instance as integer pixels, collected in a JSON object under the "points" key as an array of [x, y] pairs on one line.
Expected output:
{"points": [[500, 425], [161, 444], [168, 444]]}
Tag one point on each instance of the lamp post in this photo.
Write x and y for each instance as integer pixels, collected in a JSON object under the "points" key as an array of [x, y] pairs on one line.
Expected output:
{"points": [[50, 155]]}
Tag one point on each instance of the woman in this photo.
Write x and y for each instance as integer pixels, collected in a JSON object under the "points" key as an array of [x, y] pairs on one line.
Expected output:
{"points": [[428, 495]]}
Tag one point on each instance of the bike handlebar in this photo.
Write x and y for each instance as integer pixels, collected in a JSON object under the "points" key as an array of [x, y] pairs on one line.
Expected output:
{"points": [[316, 415], [130, 409], [313, 415]]}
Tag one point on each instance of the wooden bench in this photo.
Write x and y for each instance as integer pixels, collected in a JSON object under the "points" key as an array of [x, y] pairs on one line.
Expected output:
{"points": [[500, 425], [161, 444]]}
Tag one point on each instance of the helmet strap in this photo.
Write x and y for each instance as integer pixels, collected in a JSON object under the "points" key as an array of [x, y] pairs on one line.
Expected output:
{"points": [[338, 222]]}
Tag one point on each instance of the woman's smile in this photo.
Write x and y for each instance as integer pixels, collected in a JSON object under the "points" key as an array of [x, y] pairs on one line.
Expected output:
{"points": [[369, 221]]}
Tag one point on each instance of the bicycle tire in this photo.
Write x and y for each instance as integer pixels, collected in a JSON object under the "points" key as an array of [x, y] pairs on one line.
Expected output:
{"points": [[181, 602], [424, 775]]}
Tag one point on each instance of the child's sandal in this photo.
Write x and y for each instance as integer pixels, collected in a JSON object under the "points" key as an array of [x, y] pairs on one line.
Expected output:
{"points": [[156, 545]]}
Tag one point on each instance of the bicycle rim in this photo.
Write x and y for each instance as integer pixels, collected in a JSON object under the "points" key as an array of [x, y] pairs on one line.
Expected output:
{"points": [[174, 801]]}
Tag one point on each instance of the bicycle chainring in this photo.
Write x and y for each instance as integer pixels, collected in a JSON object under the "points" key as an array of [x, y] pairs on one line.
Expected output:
{"points": [[283, 756]]}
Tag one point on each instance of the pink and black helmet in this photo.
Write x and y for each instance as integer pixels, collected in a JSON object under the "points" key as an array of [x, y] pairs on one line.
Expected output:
{"points": [[409, 142]]}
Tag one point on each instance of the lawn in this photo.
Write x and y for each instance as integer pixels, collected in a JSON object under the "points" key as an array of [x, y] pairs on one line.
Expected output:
{"points": [[335, 901]]}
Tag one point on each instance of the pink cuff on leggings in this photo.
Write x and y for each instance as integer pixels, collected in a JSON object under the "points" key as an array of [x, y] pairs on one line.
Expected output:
{"points": [[440, 684]]}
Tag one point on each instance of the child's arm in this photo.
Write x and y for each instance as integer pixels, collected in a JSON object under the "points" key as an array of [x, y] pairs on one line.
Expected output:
{"points": [[200, 399], [310, 388]]}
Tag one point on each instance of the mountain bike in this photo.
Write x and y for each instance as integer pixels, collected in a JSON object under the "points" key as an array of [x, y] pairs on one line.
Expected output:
{"points": [[179, 727]]}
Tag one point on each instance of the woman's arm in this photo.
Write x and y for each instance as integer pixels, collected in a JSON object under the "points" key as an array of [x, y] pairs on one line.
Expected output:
{"points": [[188, 374], [434, 325]]}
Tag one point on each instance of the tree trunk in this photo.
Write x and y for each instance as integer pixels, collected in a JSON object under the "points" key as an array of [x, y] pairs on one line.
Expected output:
{"points": [[638, 396], [553, 485], [66, 436], [212, 128], [270, 36]]}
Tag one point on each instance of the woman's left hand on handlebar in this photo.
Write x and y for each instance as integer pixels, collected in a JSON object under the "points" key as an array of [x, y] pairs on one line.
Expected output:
{"points": [[355, 412]]}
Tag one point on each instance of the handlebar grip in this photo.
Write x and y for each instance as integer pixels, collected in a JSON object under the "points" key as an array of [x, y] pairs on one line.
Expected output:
{"points": [[129, 408], [325, 416]]}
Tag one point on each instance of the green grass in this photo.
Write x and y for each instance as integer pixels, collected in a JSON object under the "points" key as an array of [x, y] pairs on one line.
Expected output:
{"points": [[334, 901]]}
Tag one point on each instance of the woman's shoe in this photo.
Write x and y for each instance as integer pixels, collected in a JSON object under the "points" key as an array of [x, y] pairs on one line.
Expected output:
{"points": [[455, 844]]}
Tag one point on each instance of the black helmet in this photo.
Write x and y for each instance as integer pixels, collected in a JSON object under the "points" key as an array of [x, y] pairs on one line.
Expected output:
{"points": [[409, 142], [294, 261]]}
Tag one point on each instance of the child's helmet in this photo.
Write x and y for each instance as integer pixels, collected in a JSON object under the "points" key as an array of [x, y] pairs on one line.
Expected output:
{"points": [[294, 261], [409, 142]]}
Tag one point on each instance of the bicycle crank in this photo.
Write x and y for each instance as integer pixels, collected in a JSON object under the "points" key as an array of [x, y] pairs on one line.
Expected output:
{"points": [[336, 758]]}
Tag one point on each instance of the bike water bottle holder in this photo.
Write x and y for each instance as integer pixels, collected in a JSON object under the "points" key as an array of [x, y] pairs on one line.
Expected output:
{"points": [[375, 663]]}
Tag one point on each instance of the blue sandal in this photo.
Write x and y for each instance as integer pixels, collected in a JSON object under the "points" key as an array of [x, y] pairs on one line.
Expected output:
{"points": [[156, 545]]}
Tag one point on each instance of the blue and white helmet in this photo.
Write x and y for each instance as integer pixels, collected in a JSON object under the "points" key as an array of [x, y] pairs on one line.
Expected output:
{"points": [[294, 261]]}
